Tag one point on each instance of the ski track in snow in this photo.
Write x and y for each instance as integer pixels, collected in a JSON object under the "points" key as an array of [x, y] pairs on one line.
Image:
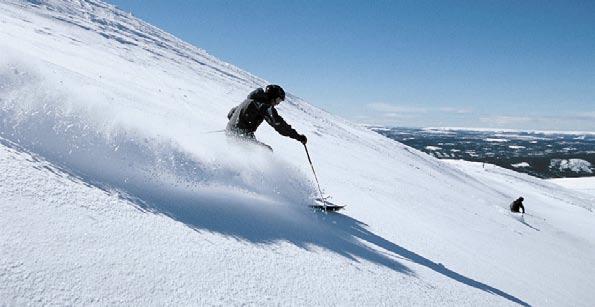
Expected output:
{"points": [[117, 189]]}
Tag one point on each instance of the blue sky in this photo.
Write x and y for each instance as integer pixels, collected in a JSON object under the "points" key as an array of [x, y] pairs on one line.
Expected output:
{"points": [[507, 64]]}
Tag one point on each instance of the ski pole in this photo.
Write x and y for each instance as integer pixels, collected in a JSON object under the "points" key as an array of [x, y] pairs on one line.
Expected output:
{"points": [[315, 177]]}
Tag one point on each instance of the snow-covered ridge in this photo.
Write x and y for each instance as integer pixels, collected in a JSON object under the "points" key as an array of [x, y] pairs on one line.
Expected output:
{"points": [[110, 147], [112, 23]]}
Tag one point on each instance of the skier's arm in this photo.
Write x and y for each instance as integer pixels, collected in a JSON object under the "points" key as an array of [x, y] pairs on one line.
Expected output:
{"points": [[278, 123], [230, 114]]}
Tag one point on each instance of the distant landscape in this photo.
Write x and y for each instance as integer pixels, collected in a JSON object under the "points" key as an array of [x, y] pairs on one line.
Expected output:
{"points": [[541, 154]]}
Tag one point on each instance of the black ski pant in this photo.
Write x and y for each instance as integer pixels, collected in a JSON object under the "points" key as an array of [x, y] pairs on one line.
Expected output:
{"points": [[246, 138]]}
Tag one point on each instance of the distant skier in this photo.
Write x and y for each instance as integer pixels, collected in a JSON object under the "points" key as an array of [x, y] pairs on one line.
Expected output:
{"points": [[245, 118], [517, 205]]}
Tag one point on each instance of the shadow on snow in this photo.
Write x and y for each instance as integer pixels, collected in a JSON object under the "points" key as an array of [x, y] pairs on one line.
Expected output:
{"points": [[302, 227], [262, 221]]}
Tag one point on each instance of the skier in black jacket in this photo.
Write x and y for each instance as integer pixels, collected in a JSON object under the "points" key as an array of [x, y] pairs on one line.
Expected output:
{"points": [[517, 205], [245, 118]]}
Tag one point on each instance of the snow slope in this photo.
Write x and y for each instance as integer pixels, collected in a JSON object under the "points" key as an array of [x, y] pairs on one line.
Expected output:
{"points": [[584, 185], [116, 189]]}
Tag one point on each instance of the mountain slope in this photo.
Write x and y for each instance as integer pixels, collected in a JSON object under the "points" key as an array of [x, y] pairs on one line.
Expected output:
{"points": [[115, 189]]}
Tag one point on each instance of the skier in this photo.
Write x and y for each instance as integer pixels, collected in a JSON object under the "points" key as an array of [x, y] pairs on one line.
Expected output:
{"points": [[517, 205], [245, 118]]}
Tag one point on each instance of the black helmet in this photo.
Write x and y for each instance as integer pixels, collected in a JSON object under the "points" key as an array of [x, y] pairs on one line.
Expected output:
{"points": [[274, 91]]}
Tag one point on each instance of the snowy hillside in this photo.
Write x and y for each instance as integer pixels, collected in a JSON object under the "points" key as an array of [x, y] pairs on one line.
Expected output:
{"points": [[116, 188], [584, 185]]}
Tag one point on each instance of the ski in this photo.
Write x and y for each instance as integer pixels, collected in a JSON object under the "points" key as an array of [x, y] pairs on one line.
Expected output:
{"points": [[325, 205]]}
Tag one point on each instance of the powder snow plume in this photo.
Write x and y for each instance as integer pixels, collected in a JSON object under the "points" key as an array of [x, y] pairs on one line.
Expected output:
{"points": [[117, 134]]}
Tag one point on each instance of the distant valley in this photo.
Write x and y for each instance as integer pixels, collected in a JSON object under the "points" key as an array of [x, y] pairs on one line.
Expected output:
{"points": [[541, 154]]}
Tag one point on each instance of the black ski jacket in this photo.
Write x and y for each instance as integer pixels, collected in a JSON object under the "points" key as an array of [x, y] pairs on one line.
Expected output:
{"points": [[245, 118], [517, 205]]}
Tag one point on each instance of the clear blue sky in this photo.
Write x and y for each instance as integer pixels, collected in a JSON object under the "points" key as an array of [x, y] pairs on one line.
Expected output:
{"points": [[510, 64]]}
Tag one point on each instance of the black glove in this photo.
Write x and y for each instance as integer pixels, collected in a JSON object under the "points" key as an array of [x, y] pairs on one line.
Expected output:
{"points": [[302, 138]]}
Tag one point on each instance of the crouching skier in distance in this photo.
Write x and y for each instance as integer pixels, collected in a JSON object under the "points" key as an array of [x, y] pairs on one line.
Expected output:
{"points": [[517, 205], [245, 118]]}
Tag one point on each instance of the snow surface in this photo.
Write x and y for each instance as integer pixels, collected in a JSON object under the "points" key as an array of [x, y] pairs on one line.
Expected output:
{"points": [[583, 184], [117, 188], [496, 140], [575, 165], [521, 164]]}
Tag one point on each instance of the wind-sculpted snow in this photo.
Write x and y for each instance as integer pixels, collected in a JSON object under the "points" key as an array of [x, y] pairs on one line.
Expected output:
{"points": [[121, 27]]}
